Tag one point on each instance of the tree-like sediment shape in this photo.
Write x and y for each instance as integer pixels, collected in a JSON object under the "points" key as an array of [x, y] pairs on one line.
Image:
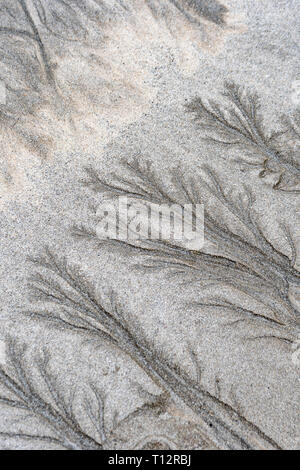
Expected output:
{"points": [[249, 263], [239, 122], [56, 414], [76, 306]]}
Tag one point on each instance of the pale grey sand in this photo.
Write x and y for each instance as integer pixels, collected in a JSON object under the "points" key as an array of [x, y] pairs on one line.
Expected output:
{"points": [[101, 83]]}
